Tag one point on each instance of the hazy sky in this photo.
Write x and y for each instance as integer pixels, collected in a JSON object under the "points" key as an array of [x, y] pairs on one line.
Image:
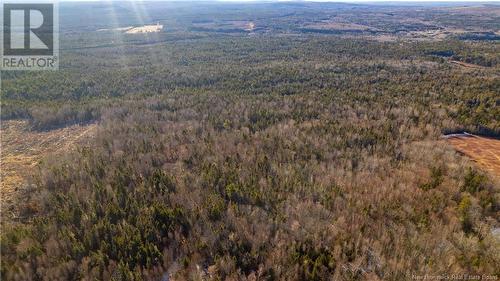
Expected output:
{"points": [[345, 1]]}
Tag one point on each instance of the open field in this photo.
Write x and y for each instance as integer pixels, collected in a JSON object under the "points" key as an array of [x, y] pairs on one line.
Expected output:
{"points": [[23, 149], [225, 26], [145, 29], [484, 151], [338, 25]]}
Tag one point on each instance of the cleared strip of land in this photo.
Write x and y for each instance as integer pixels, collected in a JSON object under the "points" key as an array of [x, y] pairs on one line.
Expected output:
{"points": [[22, 150], [145, 29], [484, 151]]}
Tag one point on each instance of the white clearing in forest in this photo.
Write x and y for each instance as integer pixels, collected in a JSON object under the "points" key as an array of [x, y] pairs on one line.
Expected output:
{"points": [[145, 29]]}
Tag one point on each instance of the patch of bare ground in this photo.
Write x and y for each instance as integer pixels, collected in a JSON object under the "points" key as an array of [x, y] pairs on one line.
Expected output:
{"points": [[242, 25], [484, 151], [341, 26], [466, 65], [245, 25], [428, 35], [145, 29], [23, 149]]}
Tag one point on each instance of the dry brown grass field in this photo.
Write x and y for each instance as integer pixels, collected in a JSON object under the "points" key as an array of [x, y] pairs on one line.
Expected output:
{"points": [[484, 151], [23, 149]]}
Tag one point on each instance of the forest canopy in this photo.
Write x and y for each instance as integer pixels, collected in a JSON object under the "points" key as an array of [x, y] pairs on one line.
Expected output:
{"points": [[306, 146]]}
